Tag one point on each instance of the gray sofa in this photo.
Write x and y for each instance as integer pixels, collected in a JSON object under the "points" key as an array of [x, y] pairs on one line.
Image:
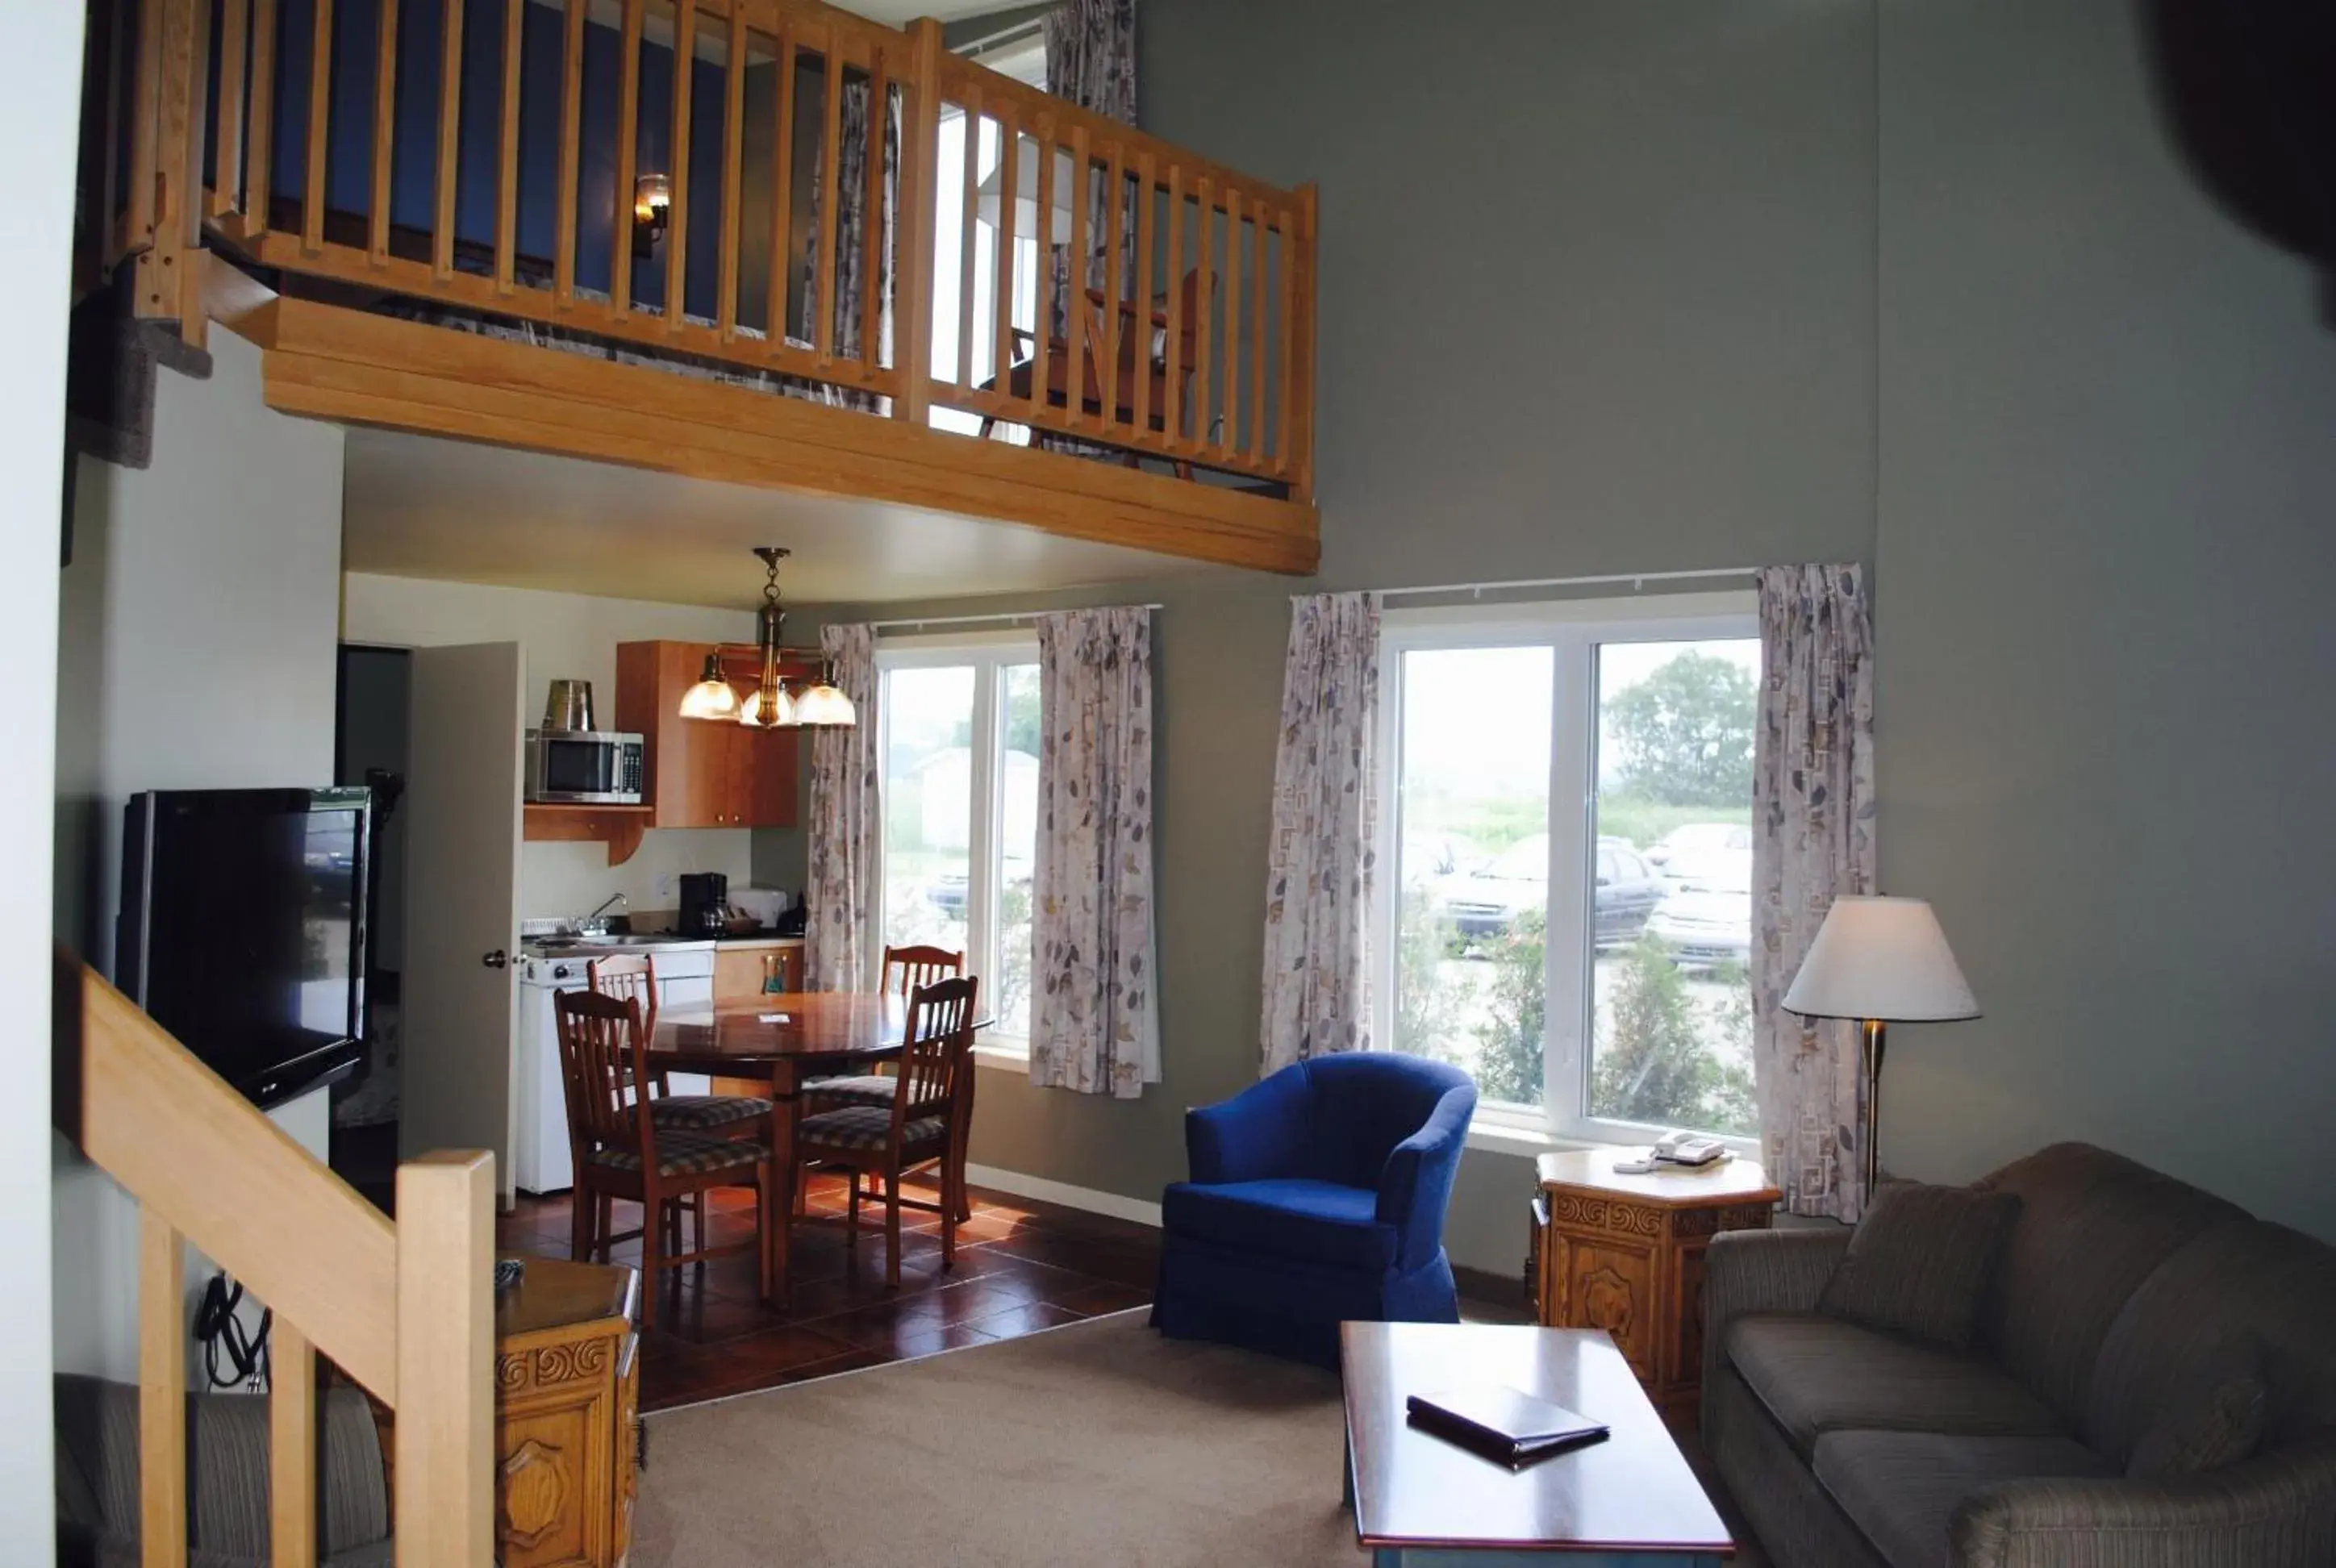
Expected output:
{"points": [[1848, 1447]]}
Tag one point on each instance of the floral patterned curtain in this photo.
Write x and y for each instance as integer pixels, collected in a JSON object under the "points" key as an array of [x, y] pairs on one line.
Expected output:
{"points": [[1813, 841], [1091, 61], [851, 243], [1095, 1022], [845, 812], [1325, 809]]}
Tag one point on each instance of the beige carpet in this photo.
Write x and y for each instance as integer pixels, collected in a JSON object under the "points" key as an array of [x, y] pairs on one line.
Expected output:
{"points": [[1096, 1444]]}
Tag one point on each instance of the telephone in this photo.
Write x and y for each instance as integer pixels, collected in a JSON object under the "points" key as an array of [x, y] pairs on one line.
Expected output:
{"points": [[1686, 1149]]}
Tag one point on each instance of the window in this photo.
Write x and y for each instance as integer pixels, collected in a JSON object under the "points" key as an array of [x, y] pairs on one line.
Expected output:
{"points": [[1585, 962], [960, 750]]}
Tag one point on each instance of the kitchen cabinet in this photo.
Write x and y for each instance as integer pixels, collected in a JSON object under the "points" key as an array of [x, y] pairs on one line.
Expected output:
{"points": [[741, 971], [701, 773]]}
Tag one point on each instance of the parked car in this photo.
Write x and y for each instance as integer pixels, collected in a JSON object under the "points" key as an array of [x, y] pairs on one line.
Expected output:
{"points": [[947, 892], [1426, 856], [1706, 920], [1485, 902], [1694, 841]]}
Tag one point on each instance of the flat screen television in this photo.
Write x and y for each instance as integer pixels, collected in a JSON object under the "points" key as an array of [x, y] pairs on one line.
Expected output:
{"points": [[242, 929]]}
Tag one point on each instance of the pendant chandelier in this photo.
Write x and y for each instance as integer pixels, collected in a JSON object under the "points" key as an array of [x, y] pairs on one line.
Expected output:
{"points": [[770, 705]]}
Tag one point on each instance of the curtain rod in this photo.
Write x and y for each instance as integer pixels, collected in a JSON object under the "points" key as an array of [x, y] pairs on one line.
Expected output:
{"points": [[1635, 579], [1013, 618]]}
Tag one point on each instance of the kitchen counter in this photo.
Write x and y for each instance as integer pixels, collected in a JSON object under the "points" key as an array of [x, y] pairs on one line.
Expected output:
{"points": [[649, 941]]}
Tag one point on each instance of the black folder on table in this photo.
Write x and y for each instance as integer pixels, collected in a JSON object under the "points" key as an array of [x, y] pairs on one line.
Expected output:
{"points": [[1502, 1424]]}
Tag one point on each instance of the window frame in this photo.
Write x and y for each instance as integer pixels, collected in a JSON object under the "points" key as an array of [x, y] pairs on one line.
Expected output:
{"points": [[988, 653], [1573, 629]]}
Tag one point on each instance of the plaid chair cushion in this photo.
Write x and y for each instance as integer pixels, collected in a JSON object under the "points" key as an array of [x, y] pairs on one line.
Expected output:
{"points": [[868, 1089], [685, 1154], [698, 1112], [867, 1127]]}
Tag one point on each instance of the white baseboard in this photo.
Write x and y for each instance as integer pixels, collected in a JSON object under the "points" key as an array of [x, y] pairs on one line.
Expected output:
{"points": [[1062, 1192]]}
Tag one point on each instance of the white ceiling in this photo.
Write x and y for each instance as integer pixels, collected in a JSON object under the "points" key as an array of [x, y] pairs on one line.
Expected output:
{"points": [[420, 506], [900, 12]]}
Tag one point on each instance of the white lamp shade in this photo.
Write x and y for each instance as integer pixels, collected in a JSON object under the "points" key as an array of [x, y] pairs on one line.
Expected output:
{"points": [[824, 706], [1881, 957], [1025, 195]]}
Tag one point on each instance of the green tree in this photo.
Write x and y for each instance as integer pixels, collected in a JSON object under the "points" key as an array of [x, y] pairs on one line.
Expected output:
{"points": [[1509, 1038], [1423, 1002], [1686, 732], [1658, 1066]]}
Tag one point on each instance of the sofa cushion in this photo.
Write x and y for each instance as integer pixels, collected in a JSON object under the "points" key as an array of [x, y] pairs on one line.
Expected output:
{"points": [[1819, 1374], [1900, 1488], [1919, 1260], [1292, 1217], [2092, 1227], [2249, 1281], [2214, 1419]]}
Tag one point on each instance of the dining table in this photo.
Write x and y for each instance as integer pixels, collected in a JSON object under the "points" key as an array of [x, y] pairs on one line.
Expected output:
{"points": [[784, 1038]]}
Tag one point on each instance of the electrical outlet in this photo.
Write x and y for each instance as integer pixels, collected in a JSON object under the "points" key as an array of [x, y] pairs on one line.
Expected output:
{"points": [[665, 886]]}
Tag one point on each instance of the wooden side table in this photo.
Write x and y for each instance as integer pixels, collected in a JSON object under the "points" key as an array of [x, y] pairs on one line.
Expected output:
{"points": [[1625, 1254]]}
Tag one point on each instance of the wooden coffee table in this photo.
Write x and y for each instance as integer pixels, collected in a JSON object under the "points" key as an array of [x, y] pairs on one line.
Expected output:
{"points": [[1420, 1501]]}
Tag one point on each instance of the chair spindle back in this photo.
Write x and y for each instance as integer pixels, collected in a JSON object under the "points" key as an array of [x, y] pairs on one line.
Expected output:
{"points": [[935, 1049], [622, 975], [907, 970], [603, 1053]]}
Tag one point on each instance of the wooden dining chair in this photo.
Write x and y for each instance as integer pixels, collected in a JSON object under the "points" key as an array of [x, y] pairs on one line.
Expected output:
{"points": [[620, 1152], [906, 970], [1143, 356], [634, 976], [923, 1126]]}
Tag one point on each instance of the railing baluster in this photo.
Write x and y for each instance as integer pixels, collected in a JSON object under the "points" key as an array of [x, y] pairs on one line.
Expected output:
{"points": [[450, 137], [1286, 229], [1204, 304], [1228, 417], [676, 227], [629, 112], [384, 130], [1115, 265], [117, 33], [783, 262], [291, 1447], [1253, 437], [572, 140], [184, 117], [967, 228], [1075, 294], [1009, 159], [161, 1393], [1146, 232], [507, 161], [320, 101], [1301, 330], [920, 184], [831, 136], [872, 216], [145, 98], [1042, 284], [1171, 386], [258, 162], [446, 1462], [227, 168], [734, 176]]}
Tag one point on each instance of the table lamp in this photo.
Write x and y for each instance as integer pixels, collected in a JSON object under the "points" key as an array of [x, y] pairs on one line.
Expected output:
{"points": [[1880, 961]]}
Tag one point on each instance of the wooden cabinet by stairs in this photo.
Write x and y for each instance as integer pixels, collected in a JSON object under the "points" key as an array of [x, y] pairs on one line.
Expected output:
{"points": [[702, 774]]}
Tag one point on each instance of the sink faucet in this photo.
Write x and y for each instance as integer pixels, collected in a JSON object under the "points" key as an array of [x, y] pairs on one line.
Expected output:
{"points": [[593, 924]]}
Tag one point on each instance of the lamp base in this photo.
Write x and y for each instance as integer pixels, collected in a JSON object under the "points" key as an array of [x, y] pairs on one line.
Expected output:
{"points": [[1870, 1066]]}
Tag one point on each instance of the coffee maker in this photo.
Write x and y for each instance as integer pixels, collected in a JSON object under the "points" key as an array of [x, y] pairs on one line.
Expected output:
{"points": [[704, 904]]}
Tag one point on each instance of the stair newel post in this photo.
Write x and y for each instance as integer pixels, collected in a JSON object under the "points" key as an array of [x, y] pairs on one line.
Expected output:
{"points": [[445, 1360], [912, 326]]}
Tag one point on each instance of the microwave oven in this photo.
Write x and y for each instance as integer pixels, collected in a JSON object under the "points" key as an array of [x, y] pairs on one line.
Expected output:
{"points": [[584, 767]]}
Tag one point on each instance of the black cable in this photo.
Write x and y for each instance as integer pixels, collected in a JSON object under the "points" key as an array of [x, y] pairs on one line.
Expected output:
{"points": [[218, 1328]]}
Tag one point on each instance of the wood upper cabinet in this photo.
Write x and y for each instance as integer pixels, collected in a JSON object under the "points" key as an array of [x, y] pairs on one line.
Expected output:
{"points": [[702, 774]]}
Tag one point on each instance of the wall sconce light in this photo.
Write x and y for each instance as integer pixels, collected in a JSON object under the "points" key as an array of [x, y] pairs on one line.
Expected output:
{"points": [[652, 206]]}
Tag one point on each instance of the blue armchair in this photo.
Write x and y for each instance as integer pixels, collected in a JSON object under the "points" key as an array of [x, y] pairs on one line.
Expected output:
{"points": [[1317, 1195]]}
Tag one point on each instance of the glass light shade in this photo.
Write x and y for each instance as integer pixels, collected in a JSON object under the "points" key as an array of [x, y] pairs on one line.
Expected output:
{"points": [[1881, 957], [712, 697], [770, 707], [826, 707], [652, 198]]}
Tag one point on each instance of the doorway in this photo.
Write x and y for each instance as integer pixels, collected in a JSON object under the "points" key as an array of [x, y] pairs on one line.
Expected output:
{"points": [[372, 721]]}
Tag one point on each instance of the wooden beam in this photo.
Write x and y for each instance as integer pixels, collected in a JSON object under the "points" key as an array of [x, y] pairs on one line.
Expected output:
{"points": [[292, 1500], [445, 1434], [329, 362], [161, 1392]]}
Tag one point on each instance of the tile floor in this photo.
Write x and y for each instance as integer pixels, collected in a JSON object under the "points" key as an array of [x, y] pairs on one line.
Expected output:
{"points": [[1021, 1266]]}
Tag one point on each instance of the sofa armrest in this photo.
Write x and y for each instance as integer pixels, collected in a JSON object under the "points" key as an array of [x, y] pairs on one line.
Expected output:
{"points": [[1415, 1183], [1764, 1272], [2278, 1511], [1259, 1133]]}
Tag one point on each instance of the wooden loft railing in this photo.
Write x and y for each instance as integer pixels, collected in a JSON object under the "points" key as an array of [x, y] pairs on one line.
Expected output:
{"points": [[407, 1309], [1166, 313]]}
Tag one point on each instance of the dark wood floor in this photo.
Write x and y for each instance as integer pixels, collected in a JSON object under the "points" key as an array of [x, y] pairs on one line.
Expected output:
{"points": [[1021, 1266]]}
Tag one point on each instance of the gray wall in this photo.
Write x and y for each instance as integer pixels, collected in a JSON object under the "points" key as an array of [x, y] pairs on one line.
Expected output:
{"points": [[2105, 555], [196, 649]]}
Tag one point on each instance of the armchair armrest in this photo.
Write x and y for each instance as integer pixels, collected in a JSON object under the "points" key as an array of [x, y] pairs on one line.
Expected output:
{"points": [[1415, 1183], [1259, 1133], [2274, 1512], [1764, 1272]]}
